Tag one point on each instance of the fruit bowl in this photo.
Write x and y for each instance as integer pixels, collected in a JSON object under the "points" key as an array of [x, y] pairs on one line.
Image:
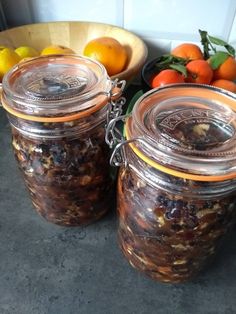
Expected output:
{"points": [[75, 35], [147, 73]]}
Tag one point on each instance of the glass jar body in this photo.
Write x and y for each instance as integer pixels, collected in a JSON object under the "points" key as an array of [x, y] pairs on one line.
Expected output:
{"points": [[65, 167], [170, 227]]}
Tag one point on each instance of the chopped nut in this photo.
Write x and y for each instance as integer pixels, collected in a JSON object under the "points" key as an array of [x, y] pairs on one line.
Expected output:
{"points": [[201, 129], [15, 145], [164, 269], [161, 221], [141, 183], [180, 262], [85, 180], [179, 246], [201, 213]]}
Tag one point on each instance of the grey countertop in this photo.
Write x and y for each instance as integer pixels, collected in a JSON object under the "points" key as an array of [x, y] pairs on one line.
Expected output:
{"points": [[48, 269]]}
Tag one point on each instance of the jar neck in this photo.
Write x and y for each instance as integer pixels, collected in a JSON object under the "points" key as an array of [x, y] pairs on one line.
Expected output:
{"points": [[62, 129], [179, 186]]}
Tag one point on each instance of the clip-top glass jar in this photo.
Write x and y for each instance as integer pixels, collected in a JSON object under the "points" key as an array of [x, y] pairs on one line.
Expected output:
{"points": [[57, 107], [177, 181]]}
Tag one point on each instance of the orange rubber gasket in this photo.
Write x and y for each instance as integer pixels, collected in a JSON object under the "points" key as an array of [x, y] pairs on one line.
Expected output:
{"points": [[72, 117], [173, 172], [67, 118]]}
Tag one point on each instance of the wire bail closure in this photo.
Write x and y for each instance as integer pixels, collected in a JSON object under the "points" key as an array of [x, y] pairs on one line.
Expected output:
{"points": [[115, 101], [114, 136]]}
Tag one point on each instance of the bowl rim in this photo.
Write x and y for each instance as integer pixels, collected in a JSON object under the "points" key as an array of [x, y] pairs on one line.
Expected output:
{"points": [[143, 50], [147, 66]]}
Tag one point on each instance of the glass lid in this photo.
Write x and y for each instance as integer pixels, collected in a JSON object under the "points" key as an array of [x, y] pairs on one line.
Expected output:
{"points": [[188, 127], [66, 83]]}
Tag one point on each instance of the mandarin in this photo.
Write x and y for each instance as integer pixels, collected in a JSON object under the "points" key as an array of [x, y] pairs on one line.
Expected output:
{"points": [[109, 52], [166, 77], [225, 84], [227, 70], [188, 51], [199, 71]]}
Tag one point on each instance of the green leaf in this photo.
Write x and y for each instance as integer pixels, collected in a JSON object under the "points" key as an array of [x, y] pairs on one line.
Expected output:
{"points": [[217, 59], [168, 61], [180, 68], [205, 43], [208, 42], [217, 41], [220, 42], [230, 50]]}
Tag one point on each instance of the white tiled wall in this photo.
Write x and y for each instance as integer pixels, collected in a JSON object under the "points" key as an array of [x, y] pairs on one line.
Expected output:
{"points": [[161, 23]]}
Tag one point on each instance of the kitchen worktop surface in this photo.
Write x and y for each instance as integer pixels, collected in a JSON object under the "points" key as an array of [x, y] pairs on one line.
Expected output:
{"points": [[48, 269]]}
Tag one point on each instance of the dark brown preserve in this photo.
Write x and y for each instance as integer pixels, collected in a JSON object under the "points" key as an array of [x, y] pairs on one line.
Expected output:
{"points": [[177, 189], [57, 107]]}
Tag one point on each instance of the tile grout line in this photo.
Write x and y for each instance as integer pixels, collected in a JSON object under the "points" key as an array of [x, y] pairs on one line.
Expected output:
{"points": [[231, 26], [123, 12]]}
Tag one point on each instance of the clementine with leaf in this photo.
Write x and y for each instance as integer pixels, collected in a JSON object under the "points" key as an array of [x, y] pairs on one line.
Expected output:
{"points": [[188, 51], [227, 70], [109, 52]]}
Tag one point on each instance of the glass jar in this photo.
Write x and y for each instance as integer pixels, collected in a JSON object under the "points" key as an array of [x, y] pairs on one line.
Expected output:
{"points": [[177, 181], [57, 107]]}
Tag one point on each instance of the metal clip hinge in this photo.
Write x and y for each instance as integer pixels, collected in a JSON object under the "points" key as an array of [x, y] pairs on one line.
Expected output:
{"points": [[118, 157], [113, 133]]}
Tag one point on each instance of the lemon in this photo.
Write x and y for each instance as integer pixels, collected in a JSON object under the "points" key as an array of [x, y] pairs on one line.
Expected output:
{"points": [[8, 58], [55, 49], [26, 52], [26, 59]]}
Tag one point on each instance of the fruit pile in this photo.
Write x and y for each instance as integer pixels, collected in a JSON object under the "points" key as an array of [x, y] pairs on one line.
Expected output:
{"points": [[106, 50], [188, 63]]}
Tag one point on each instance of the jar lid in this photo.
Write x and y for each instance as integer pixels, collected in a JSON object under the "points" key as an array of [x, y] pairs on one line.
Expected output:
{"points": [[188, 130], [55, 85]]}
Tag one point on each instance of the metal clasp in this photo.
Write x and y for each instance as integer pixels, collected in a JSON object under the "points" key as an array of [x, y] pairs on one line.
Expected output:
{"points": [[116, 102], [113, 133], [118, 156], [114, 113], [114, 136]]}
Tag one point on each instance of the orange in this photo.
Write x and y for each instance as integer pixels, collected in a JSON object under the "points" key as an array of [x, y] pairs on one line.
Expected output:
{"points": [[227, 70], [225, 84], [109, 52], [199, 71], [56, 49], [188, 51], [165, 77]]}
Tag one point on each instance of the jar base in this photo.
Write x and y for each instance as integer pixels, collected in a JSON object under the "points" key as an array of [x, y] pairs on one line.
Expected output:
{"points": [[170, 278], [72, 221]]}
